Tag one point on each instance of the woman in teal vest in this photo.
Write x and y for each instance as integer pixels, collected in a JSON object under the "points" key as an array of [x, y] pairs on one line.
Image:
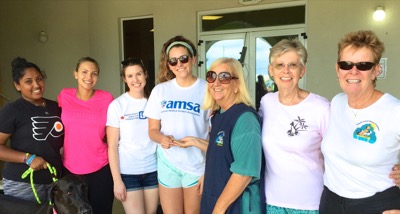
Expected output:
{"points": [[233, 158]]}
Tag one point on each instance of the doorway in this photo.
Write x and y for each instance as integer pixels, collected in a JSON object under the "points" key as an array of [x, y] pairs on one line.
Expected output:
{"points": [[137, 41], [247, 34], [251, 48]]}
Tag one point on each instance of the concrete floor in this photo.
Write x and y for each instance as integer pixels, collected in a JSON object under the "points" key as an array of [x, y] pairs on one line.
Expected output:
{"points": [[117, 207]]}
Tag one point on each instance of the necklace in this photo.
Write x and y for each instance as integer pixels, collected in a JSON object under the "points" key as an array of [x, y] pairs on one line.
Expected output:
{"points": [[354, 113], [43, 104]]}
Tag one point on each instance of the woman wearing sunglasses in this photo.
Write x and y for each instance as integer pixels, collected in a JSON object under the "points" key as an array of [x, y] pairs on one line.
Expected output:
{"points": [[233, 158], [174, 112], [362, 142], [132, 155], [294, 121]]}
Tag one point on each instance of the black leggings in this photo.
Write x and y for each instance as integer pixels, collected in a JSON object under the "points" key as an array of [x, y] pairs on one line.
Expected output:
{"points": [[101, 190], [331, 203]]}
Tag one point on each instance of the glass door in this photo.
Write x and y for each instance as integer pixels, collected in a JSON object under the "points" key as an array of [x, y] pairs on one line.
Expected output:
{"points": [[213, 47], [260, 45], [252, 48]]}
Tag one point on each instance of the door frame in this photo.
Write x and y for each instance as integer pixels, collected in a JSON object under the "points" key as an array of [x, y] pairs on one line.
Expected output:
{"points": [[249, 63]]}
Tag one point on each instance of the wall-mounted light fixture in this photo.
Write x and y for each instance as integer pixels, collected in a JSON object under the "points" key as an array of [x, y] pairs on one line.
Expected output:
{"points": [[379, 14], [43, 37], [211, 17]]}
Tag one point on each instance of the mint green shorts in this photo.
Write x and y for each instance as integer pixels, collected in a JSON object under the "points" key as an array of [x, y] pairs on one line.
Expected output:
{"points": [[171, 177], [282, 210]]}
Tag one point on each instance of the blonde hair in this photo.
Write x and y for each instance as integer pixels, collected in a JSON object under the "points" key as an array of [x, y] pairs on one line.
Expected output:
{"points": [[286, 45], [362, 39], [242, 95]]}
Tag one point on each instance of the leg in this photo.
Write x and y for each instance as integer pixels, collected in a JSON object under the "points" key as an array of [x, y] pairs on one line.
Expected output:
{"points": [[101, 193], [169, 186], [171, 200], [151, 200], [24, 191], [192, 200], [134, 203], [330, 203]]}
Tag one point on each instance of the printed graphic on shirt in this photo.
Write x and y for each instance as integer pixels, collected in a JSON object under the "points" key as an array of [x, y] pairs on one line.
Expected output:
{"points": [[42, 127], [366, 131], [132, 116], [296, 126], [180, 106], [220, 138]]}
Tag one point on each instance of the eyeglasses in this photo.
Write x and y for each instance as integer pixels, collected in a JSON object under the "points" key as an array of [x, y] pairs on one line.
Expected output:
{"points": [[174, 61], [291, 66], [132, 61], [361, 66], [224, 77]]}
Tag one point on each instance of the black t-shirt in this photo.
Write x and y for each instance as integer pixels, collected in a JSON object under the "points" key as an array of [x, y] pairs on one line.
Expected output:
{"points": [[34, 129]]}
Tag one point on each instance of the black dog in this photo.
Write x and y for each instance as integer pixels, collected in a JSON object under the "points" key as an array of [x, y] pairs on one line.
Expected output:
{"points": [[68, 195]]}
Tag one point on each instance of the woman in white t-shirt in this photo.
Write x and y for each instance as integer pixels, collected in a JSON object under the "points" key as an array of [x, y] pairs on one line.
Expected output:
{"points": [[294, 122], [132, 155], [174, 112], [362, 141]]}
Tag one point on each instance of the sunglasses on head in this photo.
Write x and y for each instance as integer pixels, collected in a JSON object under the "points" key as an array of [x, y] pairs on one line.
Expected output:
{"points": [[132, 61], [361, 66], [224, 77], [174, 61]]}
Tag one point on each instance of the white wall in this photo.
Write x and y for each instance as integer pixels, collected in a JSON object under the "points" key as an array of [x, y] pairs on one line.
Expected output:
{"points": [[91, 27], [329, 20]]}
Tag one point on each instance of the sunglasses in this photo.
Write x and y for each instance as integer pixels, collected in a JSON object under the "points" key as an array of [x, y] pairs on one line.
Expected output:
{"points": [[361, 66], [132, 61], [174, 61], [224, 77]]}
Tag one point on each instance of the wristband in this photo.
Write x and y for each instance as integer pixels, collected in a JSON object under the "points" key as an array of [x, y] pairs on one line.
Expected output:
{"points": [[29, 161], [26, 157]]}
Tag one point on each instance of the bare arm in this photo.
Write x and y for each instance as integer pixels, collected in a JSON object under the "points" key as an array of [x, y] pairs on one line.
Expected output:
{"points": [[233, 189], [192, 141], [7, 154], [156, 135], [113, 157], [10, 155], [391, 212], [395, 174]]}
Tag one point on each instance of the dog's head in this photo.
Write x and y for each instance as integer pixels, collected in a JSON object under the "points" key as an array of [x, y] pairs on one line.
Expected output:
{"points": [[70, 195]]}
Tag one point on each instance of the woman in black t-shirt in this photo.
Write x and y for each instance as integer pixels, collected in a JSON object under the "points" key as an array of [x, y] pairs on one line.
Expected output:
{"points": [[33, 126]]}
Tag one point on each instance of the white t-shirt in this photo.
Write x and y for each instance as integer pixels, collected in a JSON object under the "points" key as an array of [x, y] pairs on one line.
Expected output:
{"points": [[137, 153], [361, 146], [291, 137], [179, 109]]}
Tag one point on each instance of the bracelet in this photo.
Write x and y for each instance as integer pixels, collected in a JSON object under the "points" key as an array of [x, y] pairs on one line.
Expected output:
{"points": [[29, 161], [26, 157]]}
